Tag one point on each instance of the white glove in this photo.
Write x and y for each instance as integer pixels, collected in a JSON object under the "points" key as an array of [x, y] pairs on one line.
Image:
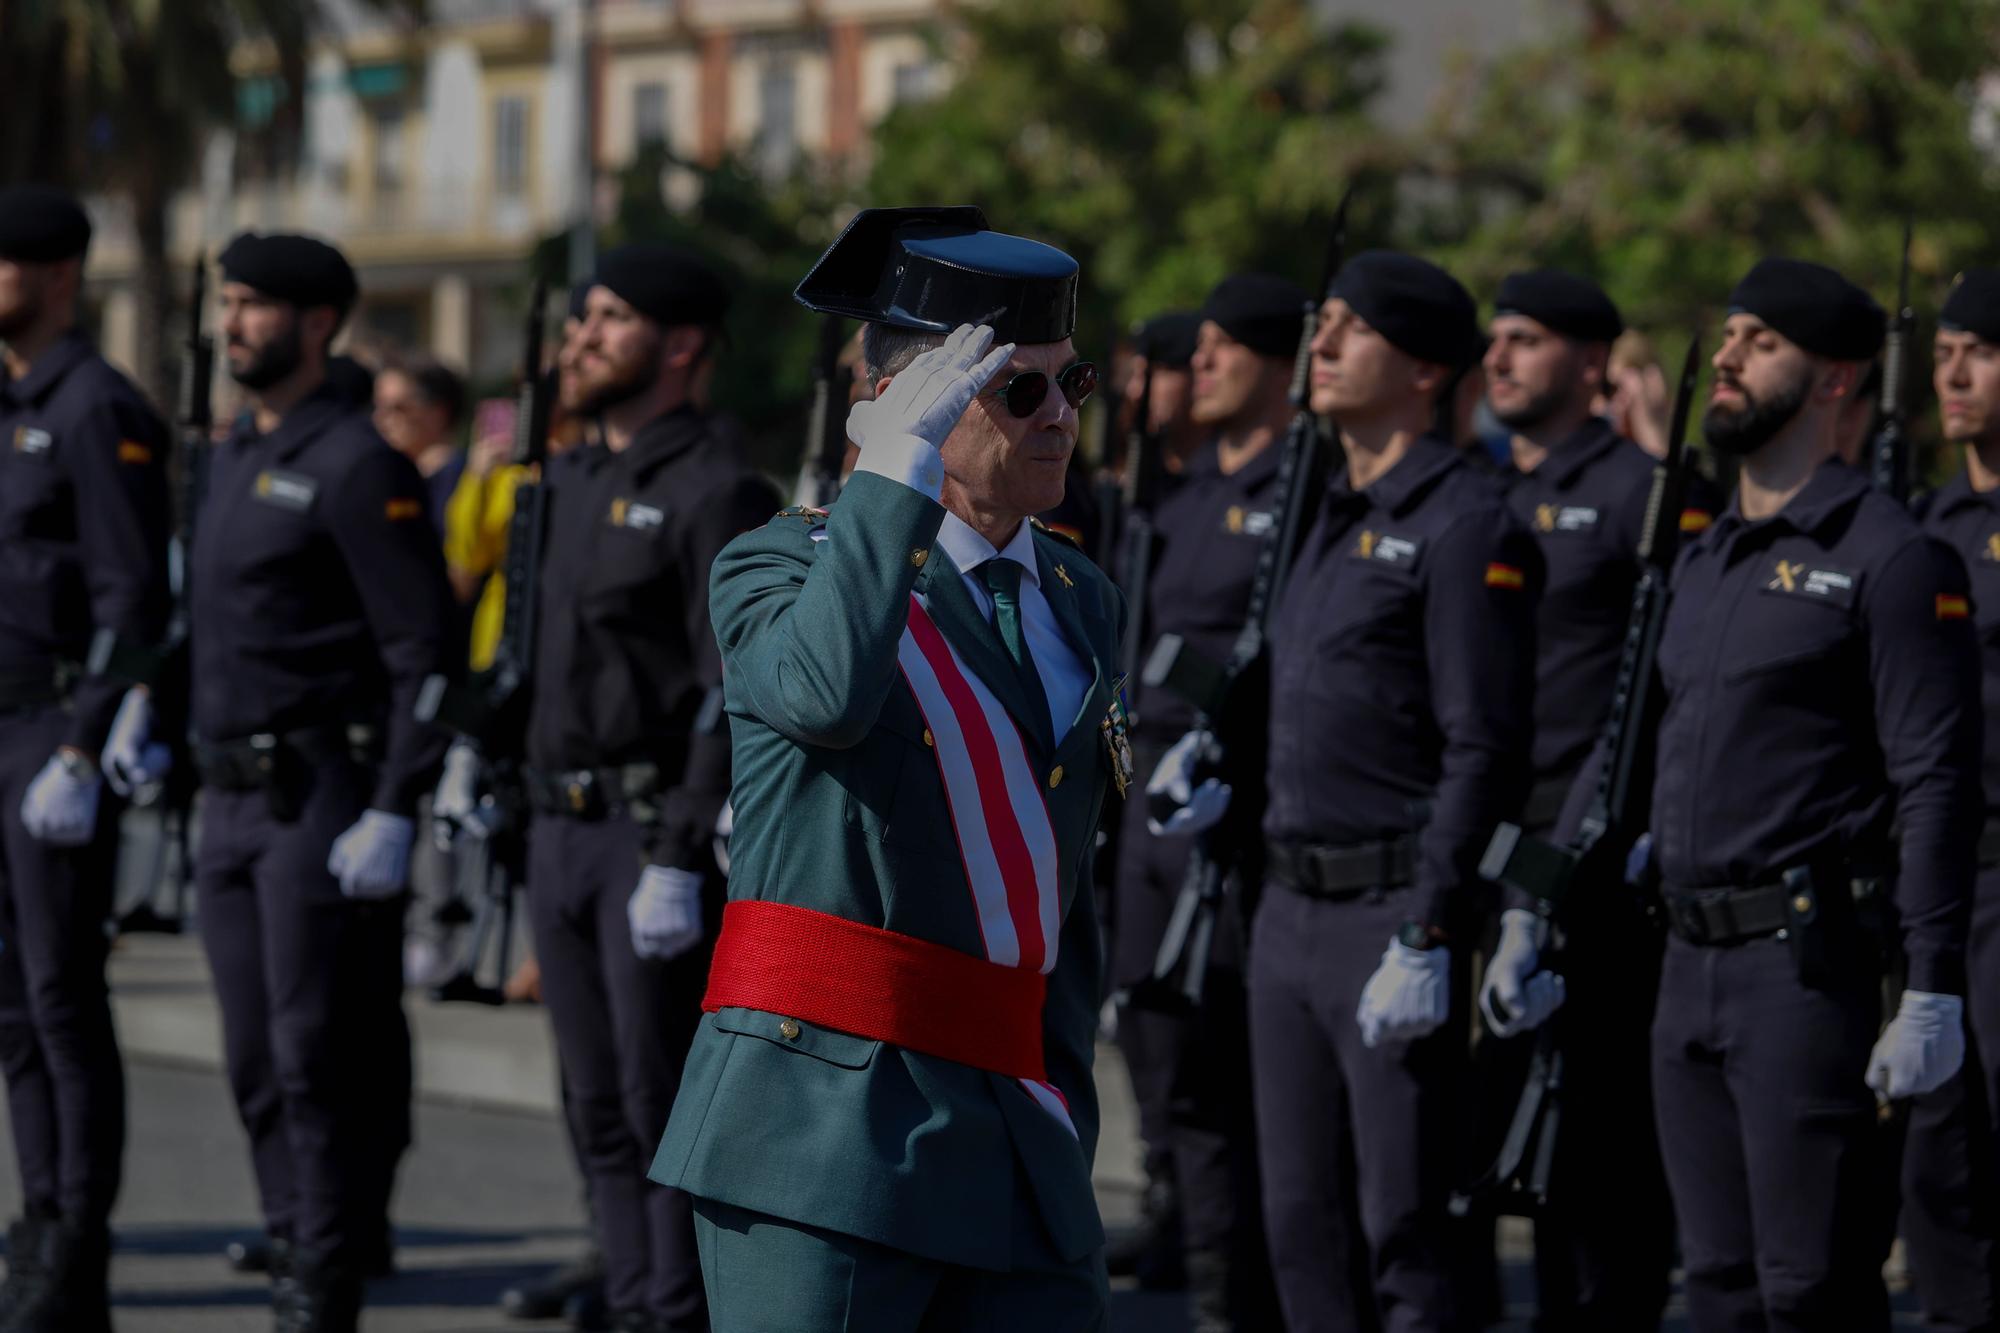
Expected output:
{"points": [[131, 759], [926, 398], [1515, 997], [455, 803], [665, 912], [60, 807], [1921, 1049], [372, 859], [725, 828], [1408, 997], [1197, 808]]}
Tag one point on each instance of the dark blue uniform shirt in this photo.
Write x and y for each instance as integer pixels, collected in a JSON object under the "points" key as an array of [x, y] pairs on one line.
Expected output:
{"points": [[318, 590], [1969, 522], [1209, 533], [625, 653], [1821, 682], [84, 521], [1586, 504], [1403, 671]]}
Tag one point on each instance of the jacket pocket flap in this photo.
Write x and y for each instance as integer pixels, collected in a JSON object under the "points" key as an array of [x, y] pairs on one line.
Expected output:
{"points": [[795, 1034]]}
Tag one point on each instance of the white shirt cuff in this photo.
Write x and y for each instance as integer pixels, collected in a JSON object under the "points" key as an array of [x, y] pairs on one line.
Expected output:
{"points": [[909, 459]]}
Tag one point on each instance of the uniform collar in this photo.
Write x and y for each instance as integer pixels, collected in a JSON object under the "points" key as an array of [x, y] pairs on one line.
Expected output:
{"points": [[1405, 484], [1958, 494], [307, 421], [1579, 449], [1834, 489], [663, 439], [968, 550], [49, 368]]}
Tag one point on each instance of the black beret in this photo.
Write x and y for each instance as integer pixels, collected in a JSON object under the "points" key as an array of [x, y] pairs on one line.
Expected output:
{"points": [[1168, 339], [1414, 304], [664, 283], [1260, 310], [1813, 306], [40, 224], [303, 270], [1572, 306], [1973, 304], [938, 268]]}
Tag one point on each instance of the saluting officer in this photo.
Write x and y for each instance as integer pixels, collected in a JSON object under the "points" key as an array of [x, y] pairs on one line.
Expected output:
{"points": [[1582, 489], [625, 782], [1951, 1159], [1196, 1068], [1821, 681], [319, 606], [83, 538], [1402, 664]]}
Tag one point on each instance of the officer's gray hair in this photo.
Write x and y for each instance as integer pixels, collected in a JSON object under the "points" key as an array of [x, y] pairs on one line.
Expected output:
{"points": [[887, 350]]}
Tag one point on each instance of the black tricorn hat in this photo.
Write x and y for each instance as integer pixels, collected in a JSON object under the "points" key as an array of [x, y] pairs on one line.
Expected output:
{"points": [[937, 268]]}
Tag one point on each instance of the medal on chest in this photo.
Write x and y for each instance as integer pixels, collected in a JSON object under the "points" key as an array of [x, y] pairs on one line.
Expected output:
{"points": [[1117, 740]]}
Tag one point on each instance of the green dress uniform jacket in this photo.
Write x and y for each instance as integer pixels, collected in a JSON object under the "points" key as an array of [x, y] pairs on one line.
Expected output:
{"points": [[840, 807]]}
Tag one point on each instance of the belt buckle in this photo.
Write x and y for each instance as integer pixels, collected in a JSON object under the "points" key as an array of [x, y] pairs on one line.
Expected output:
{"points": [[577, 792], [1693, 924]]}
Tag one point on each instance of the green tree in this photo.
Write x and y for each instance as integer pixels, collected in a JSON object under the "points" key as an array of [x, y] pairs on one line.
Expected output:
{"points": [[1164, 143]]}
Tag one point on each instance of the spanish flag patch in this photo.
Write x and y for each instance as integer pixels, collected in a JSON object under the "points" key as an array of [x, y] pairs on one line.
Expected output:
{"points": [[403, 508], [131, 451], [1696, 520], [1950, 606], [1503, 576]]}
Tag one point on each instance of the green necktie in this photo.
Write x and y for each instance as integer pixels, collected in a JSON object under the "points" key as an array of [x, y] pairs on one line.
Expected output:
{"points": [[1003, 580]]}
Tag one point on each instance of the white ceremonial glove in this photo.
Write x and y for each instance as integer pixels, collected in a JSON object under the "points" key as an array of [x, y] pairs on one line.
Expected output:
{"points": [[926, 398], [725, 828], [372, 859], [665, 912], [1175, 803], [455, 803], [1514, 996], [1921, 1049], [1407, 997], [60, 805], [131, 759]]}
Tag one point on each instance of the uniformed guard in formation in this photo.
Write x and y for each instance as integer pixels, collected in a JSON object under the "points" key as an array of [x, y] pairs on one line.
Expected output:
{"points": [[866, 1062]]}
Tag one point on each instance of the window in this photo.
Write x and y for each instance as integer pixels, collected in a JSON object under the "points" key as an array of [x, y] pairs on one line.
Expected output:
{"points": [[910, 83], [510, 148], [777, 119], [649, 116]]}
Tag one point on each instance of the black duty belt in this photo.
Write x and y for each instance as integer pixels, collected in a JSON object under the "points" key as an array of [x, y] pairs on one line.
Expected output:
{"points": [[593, 793], [255, 762], [1320, 871], [1544, 805], [1989, 844], [36, 688], [1731, 914]]}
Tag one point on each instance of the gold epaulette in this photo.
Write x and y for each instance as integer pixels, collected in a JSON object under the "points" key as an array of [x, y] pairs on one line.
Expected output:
{"points": [[810, 513]]}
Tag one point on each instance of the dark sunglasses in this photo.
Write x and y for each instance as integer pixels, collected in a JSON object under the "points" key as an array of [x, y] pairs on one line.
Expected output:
{"points": [[1025, 392]]}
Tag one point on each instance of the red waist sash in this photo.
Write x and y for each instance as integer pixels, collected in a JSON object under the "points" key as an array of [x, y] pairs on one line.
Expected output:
{"points": [[840, 974]]}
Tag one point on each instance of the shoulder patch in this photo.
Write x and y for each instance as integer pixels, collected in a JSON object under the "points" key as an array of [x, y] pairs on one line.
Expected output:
{"points": [[810, 513], [1066, 536]]}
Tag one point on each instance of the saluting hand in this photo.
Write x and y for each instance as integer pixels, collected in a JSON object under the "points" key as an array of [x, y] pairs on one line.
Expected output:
{"points": [[926, 398]]}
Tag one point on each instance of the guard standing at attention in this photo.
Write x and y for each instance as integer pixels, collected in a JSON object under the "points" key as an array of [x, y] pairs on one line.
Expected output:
{"points": [[1209, 532], [1951, 1156], [319, 606], [1816, 791], [624, 780], [83, 548], [1402, 678], [888, 1116], [1582, 489]]}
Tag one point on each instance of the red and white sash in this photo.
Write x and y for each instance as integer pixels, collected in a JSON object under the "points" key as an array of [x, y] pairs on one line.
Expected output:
{"points": [[1001, 818]]}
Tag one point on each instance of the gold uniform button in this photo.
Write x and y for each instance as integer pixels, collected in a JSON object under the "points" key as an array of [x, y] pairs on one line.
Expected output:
{"points": [[929, 739], [918, 557], [789, 1030], [1802, 904], [1055, 776]]}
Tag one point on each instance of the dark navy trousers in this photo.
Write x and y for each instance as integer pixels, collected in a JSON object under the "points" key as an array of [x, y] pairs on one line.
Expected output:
{"points": [[1359, 1148], [1770, 1139], [623, 1026], [65, 1084], [314, 1034]]}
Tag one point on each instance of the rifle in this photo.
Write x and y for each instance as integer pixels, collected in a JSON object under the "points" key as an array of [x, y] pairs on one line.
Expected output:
{"points": [[1891, 452], [1139, 487], [1180, 969], [1108, 493], [490, 710], [1612, 822], [163, 668], [826, 431]]}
